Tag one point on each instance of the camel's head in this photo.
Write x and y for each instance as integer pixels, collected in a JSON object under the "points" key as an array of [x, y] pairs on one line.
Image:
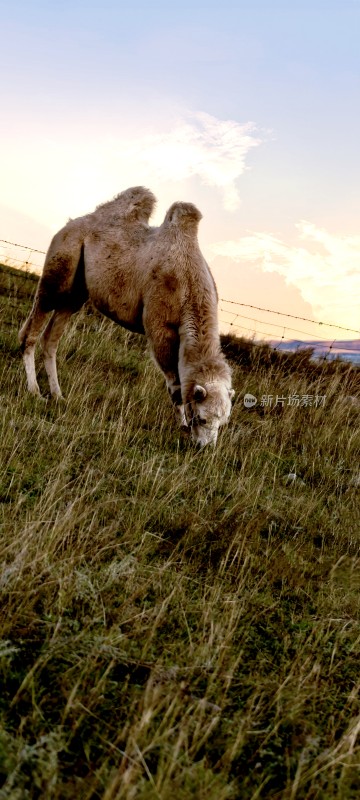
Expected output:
{"points": [[208, 408]]}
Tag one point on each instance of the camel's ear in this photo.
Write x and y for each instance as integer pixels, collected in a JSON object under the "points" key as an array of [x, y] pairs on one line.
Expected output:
{"points": [[231, 394], [199, 393]]}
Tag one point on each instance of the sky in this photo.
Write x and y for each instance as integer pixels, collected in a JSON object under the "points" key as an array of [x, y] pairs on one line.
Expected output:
{"points": [[250, 109]]}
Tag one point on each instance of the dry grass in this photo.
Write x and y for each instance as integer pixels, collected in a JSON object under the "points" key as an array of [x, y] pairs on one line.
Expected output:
{"points": [[174, 623]]}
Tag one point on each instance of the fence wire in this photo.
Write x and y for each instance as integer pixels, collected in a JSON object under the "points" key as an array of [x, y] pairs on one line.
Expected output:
{"points": [[234, 322]]}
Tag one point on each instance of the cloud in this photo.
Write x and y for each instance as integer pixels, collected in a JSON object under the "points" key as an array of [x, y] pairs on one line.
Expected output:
{"points": [[67, 174], [205, 147], [325, 268]]}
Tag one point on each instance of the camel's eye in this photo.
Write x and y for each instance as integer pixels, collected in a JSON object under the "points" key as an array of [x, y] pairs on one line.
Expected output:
{"points": [[196, 421]]}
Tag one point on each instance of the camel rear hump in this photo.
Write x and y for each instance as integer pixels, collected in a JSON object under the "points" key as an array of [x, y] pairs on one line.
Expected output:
{"points": [[133, 205]]}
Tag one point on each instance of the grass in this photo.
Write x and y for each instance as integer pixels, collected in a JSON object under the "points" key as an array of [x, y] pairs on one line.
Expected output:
{"points": [[174, 623]]}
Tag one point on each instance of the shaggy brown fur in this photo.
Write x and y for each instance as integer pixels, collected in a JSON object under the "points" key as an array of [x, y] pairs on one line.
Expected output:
{"points": [[150, 280]]}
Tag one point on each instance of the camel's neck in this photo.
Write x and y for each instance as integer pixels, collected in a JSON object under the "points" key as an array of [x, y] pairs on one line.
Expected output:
{"points": [[199, 338]]}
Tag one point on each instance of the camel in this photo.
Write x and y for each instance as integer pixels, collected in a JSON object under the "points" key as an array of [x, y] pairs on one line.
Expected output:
{"points": [[151, 280]]}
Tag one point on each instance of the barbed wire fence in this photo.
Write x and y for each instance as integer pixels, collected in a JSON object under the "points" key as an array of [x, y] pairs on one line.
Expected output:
{"points": [[231, 318], [283, 334], [26, 261]]}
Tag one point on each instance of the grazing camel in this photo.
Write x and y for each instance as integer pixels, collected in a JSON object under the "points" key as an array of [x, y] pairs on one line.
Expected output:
{"points": [[150, 280]]}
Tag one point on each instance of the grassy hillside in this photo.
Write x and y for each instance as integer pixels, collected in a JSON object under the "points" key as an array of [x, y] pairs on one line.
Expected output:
{"points": [[176, 624]]}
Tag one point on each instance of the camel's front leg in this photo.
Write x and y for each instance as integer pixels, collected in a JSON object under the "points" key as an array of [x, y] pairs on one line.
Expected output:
{"points": [[174, 389], [164, 344]]}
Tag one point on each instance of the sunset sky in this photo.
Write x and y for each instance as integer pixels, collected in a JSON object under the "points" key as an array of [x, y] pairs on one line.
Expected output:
{"points": [[250, 109]]}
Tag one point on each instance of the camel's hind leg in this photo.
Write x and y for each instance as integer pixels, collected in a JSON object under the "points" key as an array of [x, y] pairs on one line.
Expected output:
{"points": [[61, 288], [28, 336], [50, 340]]}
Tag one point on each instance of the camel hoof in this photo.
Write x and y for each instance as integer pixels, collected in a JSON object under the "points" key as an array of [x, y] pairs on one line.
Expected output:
{"points": [[38, 397], [58, 398], [36, 393]]}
